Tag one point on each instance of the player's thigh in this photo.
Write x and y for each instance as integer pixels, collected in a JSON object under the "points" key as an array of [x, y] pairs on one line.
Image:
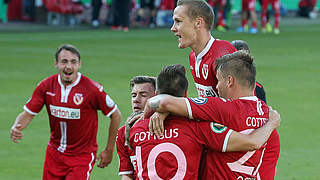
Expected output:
{"points": [[276, 5], [54, 167], [81, 166], [252, 5]]}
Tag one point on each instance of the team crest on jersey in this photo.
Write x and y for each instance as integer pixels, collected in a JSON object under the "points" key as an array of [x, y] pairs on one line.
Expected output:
{"points": [[199, 100], [205, 71], [109, 101], [217, 128], [78, 98]]}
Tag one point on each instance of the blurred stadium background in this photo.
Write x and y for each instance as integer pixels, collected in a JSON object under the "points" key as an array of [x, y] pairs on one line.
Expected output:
{"points": [[287, 65]]}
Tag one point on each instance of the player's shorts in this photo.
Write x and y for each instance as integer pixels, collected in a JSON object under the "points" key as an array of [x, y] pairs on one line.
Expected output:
{"points": [[275, 4], [147, 4], [220, 3], [59, 166], [248, 5]]}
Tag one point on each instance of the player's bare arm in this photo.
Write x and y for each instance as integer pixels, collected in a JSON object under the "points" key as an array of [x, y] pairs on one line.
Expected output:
{"points": [[106, 155], [254, 141], [166, 104], [22, 121]]}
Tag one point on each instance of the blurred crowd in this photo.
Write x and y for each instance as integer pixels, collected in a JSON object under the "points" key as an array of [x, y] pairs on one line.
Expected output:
{"points": [[123, 14]]}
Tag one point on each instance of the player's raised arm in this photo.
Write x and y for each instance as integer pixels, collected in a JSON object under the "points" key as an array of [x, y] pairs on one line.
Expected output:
{"points": [[254, 140], [22, 121]]}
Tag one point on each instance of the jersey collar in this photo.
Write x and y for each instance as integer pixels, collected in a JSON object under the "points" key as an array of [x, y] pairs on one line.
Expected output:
{"points": [[251, 98], [73, 84], [206, 49]]}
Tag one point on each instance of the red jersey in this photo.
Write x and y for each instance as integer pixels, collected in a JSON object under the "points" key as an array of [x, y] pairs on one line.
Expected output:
{"points": [[127, 158], [242, 115], [177, 154], [202, 66], [72, 112]]}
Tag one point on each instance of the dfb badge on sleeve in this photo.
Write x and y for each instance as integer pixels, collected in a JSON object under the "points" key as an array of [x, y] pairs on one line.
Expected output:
{"points": [[109, 101]]}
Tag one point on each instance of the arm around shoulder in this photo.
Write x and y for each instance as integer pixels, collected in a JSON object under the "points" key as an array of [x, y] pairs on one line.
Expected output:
{"points": [[256, 139], [166, 103]]}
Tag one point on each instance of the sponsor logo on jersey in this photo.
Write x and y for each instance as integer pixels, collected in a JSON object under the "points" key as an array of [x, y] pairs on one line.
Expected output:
{"points": [[199, 100], [109, 101], [50, 93], [65, 113], [78, 98], [217, 128], [205, 71], [205, 91]]}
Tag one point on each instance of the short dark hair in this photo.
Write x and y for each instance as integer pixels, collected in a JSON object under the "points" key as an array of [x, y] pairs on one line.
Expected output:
{"points": [[172, 80], [240, 45], [199, 8], [67, 47], [142, 80], [239, 65]]}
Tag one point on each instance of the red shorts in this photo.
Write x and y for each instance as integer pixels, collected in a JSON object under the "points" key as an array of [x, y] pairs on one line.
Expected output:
{"points": [[275, 4], [248, 5], [58, 166]]}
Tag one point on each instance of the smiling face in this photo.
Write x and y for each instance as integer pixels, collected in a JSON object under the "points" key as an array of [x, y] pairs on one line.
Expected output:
{"points": [[184, 27], [140, 94], [68, 65]]}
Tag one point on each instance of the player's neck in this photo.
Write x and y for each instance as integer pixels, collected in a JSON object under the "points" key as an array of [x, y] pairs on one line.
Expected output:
{"points": [[242, 92], [202, 40]]}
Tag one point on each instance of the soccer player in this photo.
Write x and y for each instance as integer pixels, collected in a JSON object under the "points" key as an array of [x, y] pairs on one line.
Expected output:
{"points": [[271, 155], [176, 154], [248, 6], [259, 90], [72, 101], [264, 11], [193, 21], [142, 88], [242, 111]]}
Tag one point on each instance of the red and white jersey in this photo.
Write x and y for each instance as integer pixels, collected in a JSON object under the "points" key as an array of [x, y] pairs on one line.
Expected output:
{"points": [[202, 66], [267, 170], [177, 154], [127, 158], [243, 115], [72, 112]]}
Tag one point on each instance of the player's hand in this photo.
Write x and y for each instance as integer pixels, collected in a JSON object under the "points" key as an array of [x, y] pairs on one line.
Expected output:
{"points": [[133, 118], [105, 158], [274, 117], [16, 133], [156, 123]]}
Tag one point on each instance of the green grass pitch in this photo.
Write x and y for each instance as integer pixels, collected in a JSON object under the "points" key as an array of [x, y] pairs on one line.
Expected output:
{"points": [[287, 65]]}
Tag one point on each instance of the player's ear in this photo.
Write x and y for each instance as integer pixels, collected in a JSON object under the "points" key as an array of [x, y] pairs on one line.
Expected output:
{"points": [[186, 93], [55, 62], [230, 80], [199, 22]]}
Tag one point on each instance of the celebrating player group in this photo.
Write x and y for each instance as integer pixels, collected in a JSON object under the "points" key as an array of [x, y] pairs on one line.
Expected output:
{"points": [[227, 132]]}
